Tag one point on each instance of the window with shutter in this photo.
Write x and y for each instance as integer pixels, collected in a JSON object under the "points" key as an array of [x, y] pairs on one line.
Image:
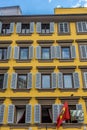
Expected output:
{"points": [[37, 113], [29, 80], [11, 114], [28, 117], [81, 26], [2, 108], [83, 51]]}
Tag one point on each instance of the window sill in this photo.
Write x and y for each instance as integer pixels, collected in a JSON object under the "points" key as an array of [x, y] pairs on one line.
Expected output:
{"points": [[5, 34], [24, 34], [4, 61], [66, 60], [60, 34], [46, 125], [19, 125], [2, 90], [83, 60], [45, 60], [25, 61], [45, 34], [84, 89], [21, 90], [68, 89], [81, 33], [72, 125], [46, 89]]}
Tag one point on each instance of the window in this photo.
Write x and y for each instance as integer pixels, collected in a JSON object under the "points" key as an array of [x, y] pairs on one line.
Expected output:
{"points": [[24, 53], [5, 28], [46, 113], [85, 79], [64, 27], [46, 81], [22, 81], [82, 26], [3, 53], [1, 80], [65, 53], [83, 51], [19, 114], [68, 82], [25, 28], [45, 28], [45, 53]]}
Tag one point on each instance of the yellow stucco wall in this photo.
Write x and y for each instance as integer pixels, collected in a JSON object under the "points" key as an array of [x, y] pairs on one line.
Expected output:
{"points": [[34, 92]]}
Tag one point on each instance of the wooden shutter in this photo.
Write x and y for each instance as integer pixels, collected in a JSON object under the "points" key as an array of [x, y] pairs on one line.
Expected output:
{"points": [[78, 106], [38, 27], [54, 85], [83, 51], [31, 52], [28, 114], [52, 52], [37, 113], [38, 80], [2, 107], [31, 27], [16, 52], [38, 52], [14, 81], [60, 80], [51, 27], [85, 79], [11, 114], [0, 27], [73, 52], [11, 30], [18, 27], [58, 52], [76, 80], [9, 50], [5, 82], [55, 112], [29, 80]]}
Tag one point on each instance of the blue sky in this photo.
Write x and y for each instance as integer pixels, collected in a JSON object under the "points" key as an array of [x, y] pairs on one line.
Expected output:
{"points": [[42, 6]]}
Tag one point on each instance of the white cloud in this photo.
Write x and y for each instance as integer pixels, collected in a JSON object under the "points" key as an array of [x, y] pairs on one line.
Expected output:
{"points": [[58, 6], [81, 3], [49, 1], [76, 5]]}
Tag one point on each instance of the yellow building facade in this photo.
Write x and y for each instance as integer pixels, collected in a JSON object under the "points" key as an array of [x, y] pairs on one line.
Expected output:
{"points": [[43, 63]]}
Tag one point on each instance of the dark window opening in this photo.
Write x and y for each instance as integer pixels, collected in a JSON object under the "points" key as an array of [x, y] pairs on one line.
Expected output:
{"points": [[3, 53], [46, 81], [45, 28], [20, 114], [1, 80], [46, 112], [5, 28], [45, 53], [22, 81], [25, 28], [24, 53]]}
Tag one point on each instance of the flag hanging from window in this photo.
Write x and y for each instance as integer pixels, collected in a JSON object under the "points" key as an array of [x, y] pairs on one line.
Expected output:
{"points": [[64, 114]]}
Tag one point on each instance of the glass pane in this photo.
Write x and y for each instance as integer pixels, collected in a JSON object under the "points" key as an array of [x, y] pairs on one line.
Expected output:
{"points": [[84, 27], [45, 53], [66, 27], [0, 54], [61, 28], [1, 81], [67, 81], [24, 53], [45, 81], [66, 53], [22, 81], [4, 54]]}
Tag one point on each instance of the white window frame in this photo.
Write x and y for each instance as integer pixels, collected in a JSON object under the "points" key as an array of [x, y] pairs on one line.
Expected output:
{"points": [[81, 26], [63, 24]]}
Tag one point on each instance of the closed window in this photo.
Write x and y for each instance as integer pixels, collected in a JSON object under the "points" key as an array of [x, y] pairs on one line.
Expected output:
{"points": [[65, 53], [22, 81], [85, 79], [82, 26], [3, 53], [83, 51], [24, 53], [45, 53], [1, 80], [64, 27], [46, 114], [68, 80], [5, 28], [46, 81]]}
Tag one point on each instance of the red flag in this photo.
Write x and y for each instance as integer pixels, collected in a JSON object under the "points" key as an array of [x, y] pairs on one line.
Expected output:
{"points": [[64, 114]]}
